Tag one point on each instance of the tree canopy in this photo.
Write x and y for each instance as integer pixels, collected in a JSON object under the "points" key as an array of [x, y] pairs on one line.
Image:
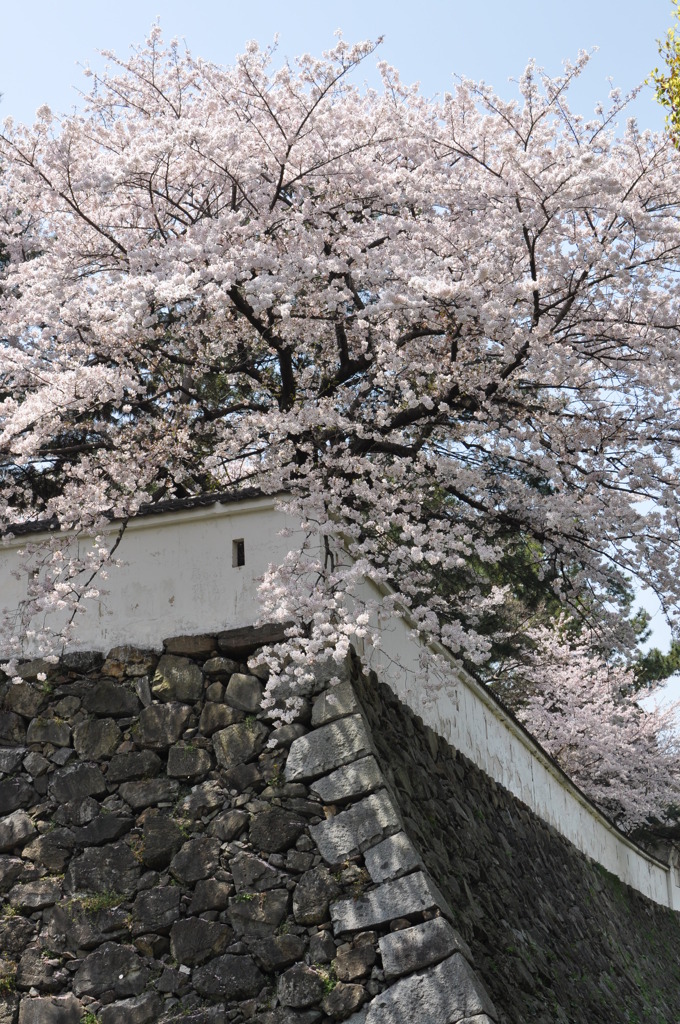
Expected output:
{"points": [[446, 328]]}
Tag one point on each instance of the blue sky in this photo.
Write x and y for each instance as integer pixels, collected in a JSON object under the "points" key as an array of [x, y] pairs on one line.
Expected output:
{"points": [[42, 44]]}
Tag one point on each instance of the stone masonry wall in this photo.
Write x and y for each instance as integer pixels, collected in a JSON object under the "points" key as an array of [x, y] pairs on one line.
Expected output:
{"points": [[165, 853], [554, 937]]}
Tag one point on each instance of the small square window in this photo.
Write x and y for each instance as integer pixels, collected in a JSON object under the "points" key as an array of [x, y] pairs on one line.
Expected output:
{"points": [[238, 553]]}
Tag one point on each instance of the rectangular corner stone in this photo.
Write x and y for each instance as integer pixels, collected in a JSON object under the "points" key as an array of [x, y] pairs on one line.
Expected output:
{"points": [[411, 949], [336, 702], [352, 831], [328, 747], [411, 894], [449, 993], [349, 781], [394, 857]]}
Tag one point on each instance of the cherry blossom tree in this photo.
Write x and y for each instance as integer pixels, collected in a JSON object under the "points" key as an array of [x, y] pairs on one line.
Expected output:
{"points": [[582, 712], [447, 329]]}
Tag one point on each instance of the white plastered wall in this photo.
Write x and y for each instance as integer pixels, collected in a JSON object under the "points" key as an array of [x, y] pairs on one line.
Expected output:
{"points": [[178, 578]]}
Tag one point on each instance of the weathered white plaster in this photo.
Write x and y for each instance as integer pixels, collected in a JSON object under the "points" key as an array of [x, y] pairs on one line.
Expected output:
{"points": [[178, 578]]}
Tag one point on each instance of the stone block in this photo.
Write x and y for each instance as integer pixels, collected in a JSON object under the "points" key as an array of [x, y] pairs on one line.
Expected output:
{"points": [[200, 646], [337, 702], [349, 781], [148, 792], [161, 840], [12, 728], [15, 830], [241, 642], [354, 830], [328, 747], [138, 764], [162, 725], [188, 762], [394, 857], [24, 698], [217, 716], [97, 738], [192, 941], [276, 952], [229, 977], [76, 781], [402, 897], [312, 895], [111, 969], [16, 793], [177, 679], [143, 1009], [198, 858], [244, 692], [299, 987], [239, 743], [50, 1010], [103, 868], [275, 829], [48, 730], [31, 896], [258, 914], [210, 894], [156, 910], [445, 994], [252, 874], [411, 949], [343, 999], [106, 697]]}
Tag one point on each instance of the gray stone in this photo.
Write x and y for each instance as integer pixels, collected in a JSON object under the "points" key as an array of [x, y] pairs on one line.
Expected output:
{"points": [[229, 977], [177, 679], [15, 830], [275, 829], [411, 949], [221, 668], [217, 716], [299, 987], [284, 735], [192, 941], [10, 869], [360, 826], [106, 697], [258, 914], [228, 825], [313, 893], [239, 743], [355, 962], [148, 792], [244, 692], [12, 728], [111, 969], [52, 850], [239, 643], [394, 857], [105, 828], [97, 738], [210, 894], [138, 764], [161, 840], [82, 661], [328, 747], [9, 1008], [35, 971], [276, 952], [35, 764], [322, 948], [76, 781], [445, 994], [199, 646], [16, 793], [343, 999], [188, 762], [10, 758], [143, 1009], [103, 868], [252, 874], [203, 799], [48, 730], [402, 897], [156, 910], [50, 1010], [30, 896], [198, 858], [25, 698], [350, 781], [162, 725], [337, 702], [32, 669]]}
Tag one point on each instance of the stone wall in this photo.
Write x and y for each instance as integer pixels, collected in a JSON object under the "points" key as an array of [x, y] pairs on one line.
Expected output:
{"points": [[166, 853]]}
